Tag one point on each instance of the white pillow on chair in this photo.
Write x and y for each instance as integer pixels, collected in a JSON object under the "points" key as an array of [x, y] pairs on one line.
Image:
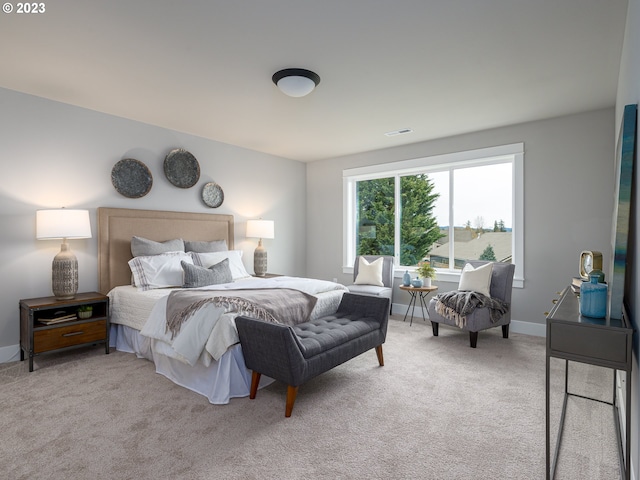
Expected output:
{"points": [[476, 279], [370, 273]]}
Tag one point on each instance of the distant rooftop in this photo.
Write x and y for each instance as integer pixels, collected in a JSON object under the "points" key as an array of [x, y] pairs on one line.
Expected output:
{"points": [[469, 246]]}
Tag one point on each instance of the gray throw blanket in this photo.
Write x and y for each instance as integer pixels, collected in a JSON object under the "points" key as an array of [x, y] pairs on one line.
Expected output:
{"points": [[457, 305], [277, 305]]}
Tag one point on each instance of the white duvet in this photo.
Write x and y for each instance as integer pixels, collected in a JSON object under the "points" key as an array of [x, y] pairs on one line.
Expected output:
{"points": [[208, 334]]}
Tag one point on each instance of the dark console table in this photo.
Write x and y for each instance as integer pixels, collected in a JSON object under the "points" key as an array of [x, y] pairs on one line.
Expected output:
{"points": [[604, 342]]}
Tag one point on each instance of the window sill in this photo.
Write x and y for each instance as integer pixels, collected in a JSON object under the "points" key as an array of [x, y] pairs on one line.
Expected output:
{"points": [[441, 276]]}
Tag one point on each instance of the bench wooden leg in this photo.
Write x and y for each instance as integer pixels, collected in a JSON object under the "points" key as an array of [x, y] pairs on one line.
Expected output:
{"points": [[291, 398], [255, 380], [379, 354]]}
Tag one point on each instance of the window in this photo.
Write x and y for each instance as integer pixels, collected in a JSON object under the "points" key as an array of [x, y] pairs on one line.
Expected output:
{"points": [[444, 210]]}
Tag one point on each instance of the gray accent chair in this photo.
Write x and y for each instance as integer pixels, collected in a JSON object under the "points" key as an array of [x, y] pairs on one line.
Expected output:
{"points": [[294, 355], [480, 319], [374, 290]]}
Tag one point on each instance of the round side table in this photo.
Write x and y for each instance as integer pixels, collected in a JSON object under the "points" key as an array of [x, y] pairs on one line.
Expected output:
{"points": [[418, 294]]}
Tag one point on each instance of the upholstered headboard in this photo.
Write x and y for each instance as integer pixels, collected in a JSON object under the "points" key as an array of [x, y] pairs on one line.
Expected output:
{"points": [[116, 226]]}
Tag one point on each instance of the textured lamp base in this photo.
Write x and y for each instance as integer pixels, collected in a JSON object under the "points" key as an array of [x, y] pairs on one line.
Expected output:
{"points": [[260, 260], [64, 278]]}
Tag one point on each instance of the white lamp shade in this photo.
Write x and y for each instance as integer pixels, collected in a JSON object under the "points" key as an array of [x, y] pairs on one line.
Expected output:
{"points": [[260, 229], [62, 223]]}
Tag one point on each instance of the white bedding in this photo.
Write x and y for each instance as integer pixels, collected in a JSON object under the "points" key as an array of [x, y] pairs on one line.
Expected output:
{"points": [[131, 306], [220, 382], [212, 362]]}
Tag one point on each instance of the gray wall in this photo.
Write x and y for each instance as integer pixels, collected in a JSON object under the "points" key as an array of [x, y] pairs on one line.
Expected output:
{"points": [[56, 155], [568, 202], [59, 155], [629, 92]]}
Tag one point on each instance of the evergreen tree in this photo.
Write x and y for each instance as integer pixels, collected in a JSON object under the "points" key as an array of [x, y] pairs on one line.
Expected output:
{"points": [[418, 230], [376, 207], [488, 254]]}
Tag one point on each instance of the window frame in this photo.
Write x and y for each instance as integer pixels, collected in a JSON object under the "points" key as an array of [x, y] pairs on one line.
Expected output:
{"points": [[513, 153]]}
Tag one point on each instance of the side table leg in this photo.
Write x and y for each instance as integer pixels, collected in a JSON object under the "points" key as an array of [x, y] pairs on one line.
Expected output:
{"points": [[423, 305], [413, 300], [408, 307]]}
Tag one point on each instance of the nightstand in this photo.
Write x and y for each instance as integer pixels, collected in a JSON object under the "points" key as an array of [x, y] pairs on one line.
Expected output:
{"points": [[48, 325], [268, 275]]}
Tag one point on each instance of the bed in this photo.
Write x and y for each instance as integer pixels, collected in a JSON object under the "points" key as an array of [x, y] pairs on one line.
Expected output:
{"points": [[210, 362]]}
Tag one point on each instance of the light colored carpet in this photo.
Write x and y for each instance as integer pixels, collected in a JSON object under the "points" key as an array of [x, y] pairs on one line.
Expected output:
{"points": [[437, 410]]}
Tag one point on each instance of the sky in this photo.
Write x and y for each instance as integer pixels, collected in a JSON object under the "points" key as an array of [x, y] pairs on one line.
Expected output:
{"points": [[484, 191]]}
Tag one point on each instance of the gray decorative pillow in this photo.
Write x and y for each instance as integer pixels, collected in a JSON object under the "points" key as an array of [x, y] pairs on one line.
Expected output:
{"points": [[143, 247], [206, 247], [196, 276]]}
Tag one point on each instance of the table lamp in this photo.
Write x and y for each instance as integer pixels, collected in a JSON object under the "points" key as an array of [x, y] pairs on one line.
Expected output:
{"points": [[260, 229], [63, 224]]}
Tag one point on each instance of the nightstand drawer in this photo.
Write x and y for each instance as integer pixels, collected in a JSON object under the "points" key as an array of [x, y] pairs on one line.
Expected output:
{"points": [[67, 336]]}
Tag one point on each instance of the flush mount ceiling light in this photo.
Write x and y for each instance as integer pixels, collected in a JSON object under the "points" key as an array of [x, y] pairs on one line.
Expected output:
{"points": [[296, 82]]}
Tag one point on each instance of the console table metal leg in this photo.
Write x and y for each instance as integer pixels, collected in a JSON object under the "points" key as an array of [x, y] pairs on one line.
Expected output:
{"points": [[624, 457], [548, 437], [562, 417], [627, 414], [624, 452], [551, 463]]}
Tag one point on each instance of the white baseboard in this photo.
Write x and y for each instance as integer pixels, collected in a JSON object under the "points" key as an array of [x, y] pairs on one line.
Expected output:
{"points": [[10, 353], [517, 326], [529, 328]]}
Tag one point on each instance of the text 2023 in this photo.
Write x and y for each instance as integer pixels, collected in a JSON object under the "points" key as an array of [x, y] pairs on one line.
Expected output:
{"points": [[30, 7]]}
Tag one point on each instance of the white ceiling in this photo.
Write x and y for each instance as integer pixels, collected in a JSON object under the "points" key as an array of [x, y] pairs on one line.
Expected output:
{"points": [[439, 67]]}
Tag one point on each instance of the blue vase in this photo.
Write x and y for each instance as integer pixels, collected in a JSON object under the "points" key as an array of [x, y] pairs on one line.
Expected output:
{"points": [[593, 298], [406, 279], [416, 282], [599, 273]]}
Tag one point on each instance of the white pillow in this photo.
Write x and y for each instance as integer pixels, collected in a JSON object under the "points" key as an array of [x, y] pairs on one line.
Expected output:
{"points": [[476, 279], [159, 271], [211, 258], [370, 273]]}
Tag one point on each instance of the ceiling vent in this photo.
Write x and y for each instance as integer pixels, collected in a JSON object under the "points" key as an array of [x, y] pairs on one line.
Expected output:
{"points": [[402, 131]]}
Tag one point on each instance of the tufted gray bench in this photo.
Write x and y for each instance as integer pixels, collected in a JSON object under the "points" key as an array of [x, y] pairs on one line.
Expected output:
{"points": [[296, 354]]}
